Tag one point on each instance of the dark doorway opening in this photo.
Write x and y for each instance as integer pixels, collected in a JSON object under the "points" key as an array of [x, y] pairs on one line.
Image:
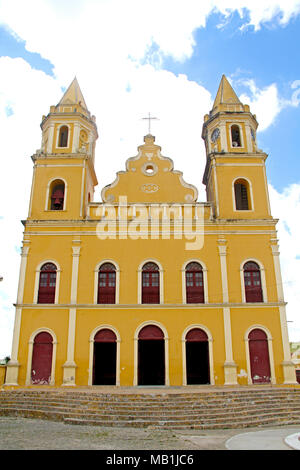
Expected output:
{"points": [[151, 362], [104, 364], [197, 364], [197, 357], [105, 358]]}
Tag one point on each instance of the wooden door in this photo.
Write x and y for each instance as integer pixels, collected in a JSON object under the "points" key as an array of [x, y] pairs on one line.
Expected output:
{"points": [[42, 359], [259, 357]]}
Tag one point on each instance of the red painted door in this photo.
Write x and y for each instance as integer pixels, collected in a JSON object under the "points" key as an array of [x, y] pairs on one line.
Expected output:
{"points": [[42, 359], [259, 357], [151, 356]]}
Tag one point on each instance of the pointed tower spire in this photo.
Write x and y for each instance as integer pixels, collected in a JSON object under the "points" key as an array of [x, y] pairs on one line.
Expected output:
{"points": [[225, 94], [73, 95]]}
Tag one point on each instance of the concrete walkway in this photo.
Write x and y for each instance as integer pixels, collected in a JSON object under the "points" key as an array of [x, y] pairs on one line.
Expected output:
{"points": [[34, 434]]}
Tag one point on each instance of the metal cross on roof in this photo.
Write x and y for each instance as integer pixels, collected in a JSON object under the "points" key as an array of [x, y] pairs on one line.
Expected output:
{"points": [[149, 119]]}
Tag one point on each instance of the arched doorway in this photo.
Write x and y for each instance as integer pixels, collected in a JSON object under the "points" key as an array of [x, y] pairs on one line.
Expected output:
{"points": [[105, 357], [197, 357], [42, 359], [151, 356], [259, 356]]}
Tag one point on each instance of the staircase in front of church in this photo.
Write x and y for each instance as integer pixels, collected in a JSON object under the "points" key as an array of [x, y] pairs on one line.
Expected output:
{"points": [[212, 409]]}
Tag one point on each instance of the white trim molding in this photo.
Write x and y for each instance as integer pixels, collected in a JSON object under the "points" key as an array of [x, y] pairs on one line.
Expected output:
{"points": [[161, 280], [251, 201], [91, 352], [210, 352], [166, 340], [205, 284], [37, 280], [96, 276], [47, 201], [262, 277]]}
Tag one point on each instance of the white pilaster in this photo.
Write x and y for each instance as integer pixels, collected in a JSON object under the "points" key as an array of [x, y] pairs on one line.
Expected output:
{"points": [[289, 374], [230, 367], [13, 365], [70, 365]]}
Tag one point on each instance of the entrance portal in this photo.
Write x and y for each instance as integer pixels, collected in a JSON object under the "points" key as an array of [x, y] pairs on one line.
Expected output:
{"points": [[42, 359], [151, 356], [105, 357], [197, 357], [259, 356]]}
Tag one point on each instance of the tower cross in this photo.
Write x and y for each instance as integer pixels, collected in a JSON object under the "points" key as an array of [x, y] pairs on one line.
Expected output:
{"points": [[149, 119]]}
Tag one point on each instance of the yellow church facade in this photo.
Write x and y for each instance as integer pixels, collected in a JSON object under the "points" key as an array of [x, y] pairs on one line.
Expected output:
{"points": [[149, 287]]}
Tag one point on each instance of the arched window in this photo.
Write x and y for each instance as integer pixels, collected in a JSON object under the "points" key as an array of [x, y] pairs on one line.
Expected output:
{"points": [[47, 284], [150, 284], [57, 195], [107, 284], [194, 283], [63, 136], [252, 279], [235, 136], [241, 193]]}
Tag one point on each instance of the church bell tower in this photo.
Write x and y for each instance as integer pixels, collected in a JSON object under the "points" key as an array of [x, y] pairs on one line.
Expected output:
{"points": [[235, 174], [64, 177]]}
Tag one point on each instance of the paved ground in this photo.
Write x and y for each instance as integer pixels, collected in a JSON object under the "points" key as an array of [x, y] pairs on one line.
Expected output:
{"points": [[34, 434]]}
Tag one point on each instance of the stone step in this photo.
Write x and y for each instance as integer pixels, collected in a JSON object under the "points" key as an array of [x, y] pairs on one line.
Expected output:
{"points": [[253, 407], [186, 418]]}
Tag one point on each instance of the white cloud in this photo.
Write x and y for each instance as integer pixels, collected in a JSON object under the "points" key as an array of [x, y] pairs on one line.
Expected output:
{"points": [[94, 40], [286, 207]]}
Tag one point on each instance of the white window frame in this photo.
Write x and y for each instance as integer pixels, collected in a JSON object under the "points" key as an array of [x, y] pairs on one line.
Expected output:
{"points": [[161, 281], [96, 276], [205, 284], [37, 281], [262, 277], [250, 195], [47, 203]]}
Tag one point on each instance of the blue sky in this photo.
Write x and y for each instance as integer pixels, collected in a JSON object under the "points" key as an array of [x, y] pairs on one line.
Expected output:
{"points": [[168, 60]]}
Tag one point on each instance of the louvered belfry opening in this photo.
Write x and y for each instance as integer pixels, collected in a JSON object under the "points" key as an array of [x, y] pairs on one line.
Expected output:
{"points": [[252, 279], [150, 284], [107, 284], [57, 196], [47, 284], [63, 136], [194, 283], [241, 195]]}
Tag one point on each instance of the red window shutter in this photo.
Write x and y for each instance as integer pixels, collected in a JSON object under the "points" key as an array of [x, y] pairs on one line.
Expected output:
{"points": [[150, 284], [252, 279], [107, 284], [47, 284], [194, 283]]}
